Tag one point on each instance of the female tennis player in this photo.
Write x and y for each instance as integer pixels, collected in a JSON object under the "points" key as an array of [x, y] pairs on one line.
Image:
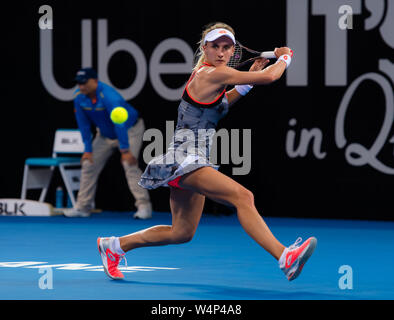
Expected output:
{"points": [[186, 168]]}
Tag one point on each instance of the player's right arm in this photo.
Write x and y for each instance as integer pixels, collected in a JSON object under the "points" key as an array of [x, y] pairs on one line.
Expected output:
{"points": [[228, 76]]}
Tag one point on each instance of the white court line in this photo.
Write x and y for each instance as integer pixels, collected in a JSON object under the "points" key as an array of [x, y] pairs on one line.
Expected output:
{"points": [[76, 266]]}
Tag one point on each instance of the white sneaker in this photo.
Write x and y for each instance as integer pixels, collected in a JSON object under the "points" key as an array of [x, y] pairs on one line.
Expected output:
{"points": [[144, 212], [72, 213]]}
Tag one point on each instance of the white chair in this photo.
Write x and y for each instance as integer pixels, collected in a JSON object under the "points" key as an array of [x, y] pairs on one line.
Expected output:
{"points": [[67, 150]]}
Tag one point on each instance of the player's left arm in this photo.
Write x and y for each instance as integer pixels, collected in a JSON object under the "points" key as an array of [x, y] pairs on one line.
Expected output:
{"points": [[239, 91]]}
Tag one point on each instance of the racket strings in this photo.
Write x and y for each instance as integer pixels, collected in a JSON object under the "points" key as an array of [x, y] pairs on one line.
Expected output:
{"points": [[234, 60], [236, 57]]}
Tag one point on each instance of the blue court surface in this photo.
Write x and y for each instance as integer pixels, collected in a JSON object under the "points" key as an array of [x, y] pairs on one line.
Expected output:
{"points": [[56, 258]]}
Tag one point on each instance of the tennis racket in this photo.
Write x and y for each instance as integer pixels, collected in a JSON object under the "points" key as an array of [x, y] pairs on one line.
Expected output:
{"points": [[242, 56]]}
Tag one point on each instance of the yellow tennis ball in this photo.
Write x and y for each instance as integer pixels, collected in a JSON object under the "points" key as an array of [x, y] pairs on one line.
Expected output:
{"points": [[119, 115]]}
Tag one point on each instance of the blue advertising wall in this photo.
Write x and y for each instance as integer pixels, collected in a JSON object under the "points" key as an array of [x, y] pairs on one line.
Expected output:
{"points": [[322, 137]]}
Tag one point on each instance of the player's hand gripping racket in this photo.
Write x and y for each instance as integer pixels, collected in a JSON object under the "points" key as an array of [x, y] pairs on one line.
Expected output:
{"points": [[242, 56]]}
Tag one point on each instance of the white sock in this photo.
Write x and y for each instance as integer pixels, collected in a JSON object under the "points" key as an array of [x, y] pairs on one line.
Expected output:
{"points": [[116, 246], [282, 258]]}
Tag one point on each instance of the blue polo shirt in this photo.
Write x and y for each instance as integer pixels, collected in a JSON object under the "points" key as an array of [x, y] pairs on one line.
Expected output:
{"points": [[97, 113]]}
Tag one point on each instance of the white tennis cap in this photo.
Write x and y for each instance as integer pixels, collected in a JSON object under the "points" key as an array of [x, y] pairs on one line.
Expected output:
{"points": [[217, 33]]}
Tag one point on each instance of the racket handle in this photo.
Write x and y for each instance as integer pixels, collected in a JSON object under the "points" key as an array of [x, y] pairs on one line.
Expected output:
{"points": [[268, 55]]}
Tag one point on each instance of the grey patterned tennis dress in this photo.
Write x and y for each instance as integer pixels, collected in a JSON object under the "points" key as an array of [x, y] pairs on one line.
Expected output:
{"points": [[191, 144]]}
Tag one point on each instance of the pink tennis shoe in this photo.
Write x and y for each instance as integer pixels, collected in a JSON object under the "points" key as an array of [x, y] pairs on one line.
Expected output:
{"points": [[110, 259], [295, 256]]}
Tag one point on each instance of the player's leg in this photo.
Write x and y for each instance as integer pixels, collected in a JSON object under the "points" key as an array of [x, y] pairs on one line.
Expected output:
{"points": [[221, 188], [186, 209]]}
